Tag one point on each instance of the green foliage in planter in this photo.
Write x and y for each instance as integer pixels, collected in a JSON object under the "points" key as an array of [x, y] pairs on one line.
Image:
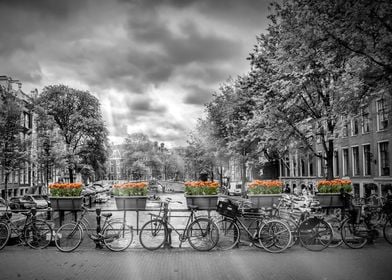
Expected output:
{"points": [[265, 190], [201, 188], [334, 186], [131, 189]]}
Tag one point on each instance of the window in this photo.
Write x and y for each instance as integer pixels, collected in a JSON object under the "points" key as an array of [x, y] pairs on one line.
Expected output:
{"points": [[365, 120], [336, 164], [366, 160], [384, 159], [382, 116], [345, 162], [356, 169], [320, 166], [356, 190], [303, 169], [345, 128], [287, 166], [355, 127], [311, 171]]}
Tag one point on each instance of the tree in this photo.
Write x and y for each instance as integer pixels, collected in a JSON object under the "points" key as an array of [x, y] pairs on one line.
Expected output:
{"points": [[78, 118], [229, 113], [14, 152], [363, 28], [310, 86]]}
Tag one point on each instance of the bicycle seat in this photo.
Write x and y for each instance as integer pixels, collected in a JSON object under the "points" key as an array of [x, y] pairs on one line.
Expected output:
{"points": [[25, 213], [193, 207], [107, 215]]}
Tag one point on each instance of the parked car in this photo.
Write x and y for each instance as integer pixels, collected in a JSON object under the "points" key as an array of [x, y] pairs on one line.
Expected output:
{"points": [[88, 190], [21, 203], [39, 200], [98, 188], [234, 188], [102, 197]]}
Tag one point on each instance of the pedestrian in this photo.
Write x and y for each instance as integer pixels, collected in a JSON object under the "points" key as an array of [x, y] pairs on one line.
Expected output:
{"points": [[286, 189]]}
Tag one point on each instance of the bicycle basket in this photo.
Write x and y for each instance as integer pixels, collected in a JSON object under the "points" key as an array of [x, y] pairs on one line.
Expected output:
{"points": [[227, 209]]}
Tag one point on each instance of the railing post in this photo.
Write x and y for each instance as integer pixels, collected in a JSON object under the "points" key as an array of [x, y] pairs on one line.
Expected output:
{"points": [[98, 244], [49, 213]]}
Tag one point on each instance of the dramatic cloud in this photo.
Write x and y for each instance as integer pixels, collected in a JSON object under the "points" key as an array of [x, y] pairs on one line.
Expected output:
{"points": [[152, 64]]}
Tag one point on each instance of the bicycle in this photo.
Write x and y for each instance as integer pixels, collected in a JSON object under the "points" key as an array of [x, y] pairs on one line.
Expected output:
{"points": [[116, 235], [270, 234], [358, 228], [36, 233], [306, 224], [201, 232]]}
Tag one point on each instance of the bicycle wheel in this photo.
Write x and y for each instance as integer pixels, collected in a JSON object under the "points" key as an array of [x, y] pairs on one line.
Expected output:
{"points": [[117, 236], [387, 230], [4, 234], [354, 235], [315, 234], [293, 225], [153, 234], [275, 236], [203, 234], [68, 237], [336, 234], [229, 234], [38, 234]]}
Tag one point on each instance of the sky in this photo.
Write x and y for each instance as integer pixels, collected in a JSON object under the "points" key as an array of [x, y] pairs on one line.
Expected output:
{"points": [[152, 64]]}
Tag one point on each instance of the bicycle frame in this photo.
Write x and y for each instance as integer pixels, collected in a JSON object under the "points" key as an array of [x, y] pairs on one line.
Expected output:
{"points": [[85, 225], [182, 236], [18, 230]]}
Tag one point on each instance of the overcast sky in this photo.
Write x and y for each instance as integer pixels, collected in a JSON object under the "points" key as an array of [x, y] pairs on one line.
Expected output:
{"points": [[152, 64]]}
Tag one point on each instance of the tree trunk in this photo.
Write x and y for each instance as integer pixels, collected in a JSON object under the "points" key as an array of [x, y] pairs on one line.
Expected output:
{"points": [[6, 187], [221, 176], [243, 175], [70, 171], [329, 153], [6, 191]]}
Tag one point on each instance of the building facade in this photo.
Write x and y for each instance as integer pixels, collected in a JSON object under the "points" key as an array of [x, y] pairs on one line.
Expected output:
{"points": [[362, 153], [20, 180]]}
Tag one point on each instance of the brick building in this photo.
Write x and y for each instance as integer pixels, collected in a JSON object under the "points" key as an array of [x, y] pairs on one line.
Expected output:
{"points": [[21, 180], [362, 153]]}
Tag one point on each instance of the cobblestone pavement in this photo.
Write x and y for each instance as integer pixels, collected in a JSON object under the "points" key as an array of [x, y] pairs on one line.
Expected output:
{"points": [[371, 262], [86, 262]]}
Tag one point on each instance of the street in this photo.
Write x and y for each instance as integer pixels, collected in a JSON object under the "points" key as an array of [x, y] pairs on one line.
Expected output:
{"points": [[372, 262]]}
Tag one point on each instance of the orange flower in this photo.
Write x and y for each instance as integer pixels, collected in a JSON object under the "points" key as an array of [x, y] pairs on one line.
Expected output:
{"points": [[266, 183]]}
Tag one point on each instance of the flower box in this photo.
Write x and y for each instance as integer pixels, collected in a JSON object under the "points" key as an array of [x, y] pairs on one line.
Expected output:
{"points": [[203, 202], [264, 200], [131, 202], [330, 200], [203, 194], [66, 196], [329, 192], [66, 203], [131, 195]]}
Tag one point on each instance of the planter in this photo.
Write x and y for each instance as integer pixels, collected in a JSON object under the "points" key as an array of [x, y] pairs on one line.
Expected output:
{"points": [[131, 202], [330, 200], [264, 200], [203, 202], [71, 203]]}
